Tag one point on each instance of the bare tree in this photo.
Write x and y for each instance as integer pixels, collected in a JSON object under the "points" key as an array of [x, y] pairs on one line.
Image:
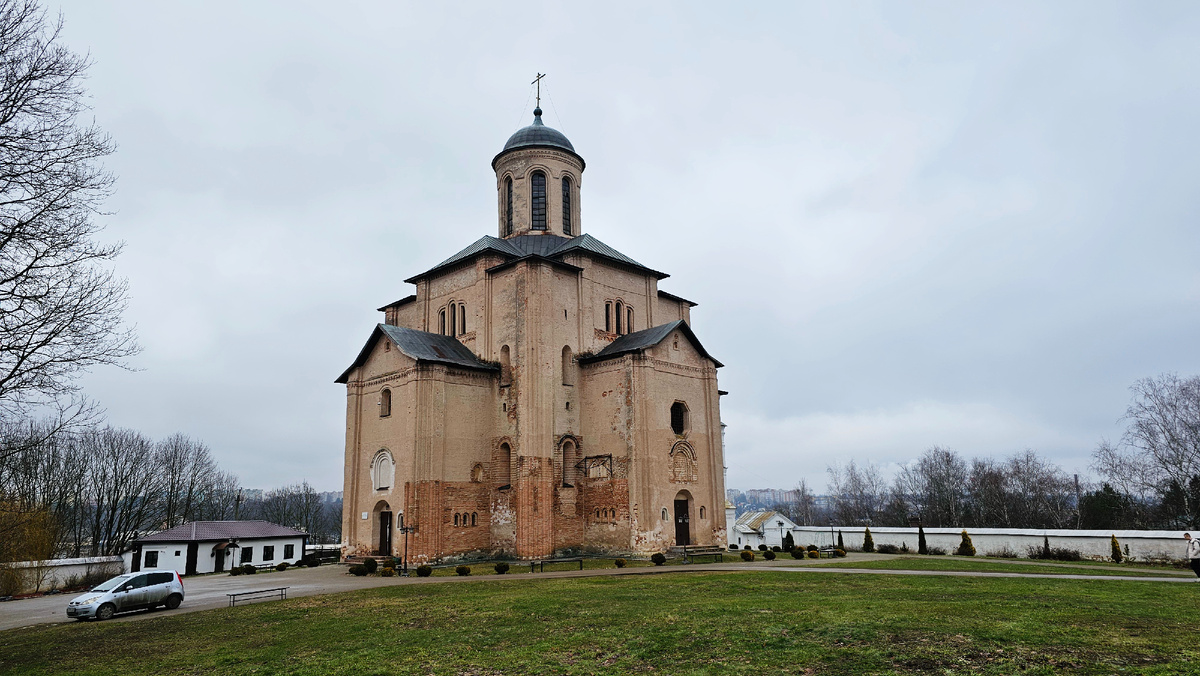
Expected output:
{"points": [[60, 305], [934, 487], [859, 494], [124, 488]]}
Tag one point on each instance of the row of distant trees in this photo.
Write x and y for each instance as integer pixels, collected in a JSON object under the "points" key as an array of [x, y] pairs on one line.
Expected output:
{"points": [[1150, 478], [91, 491]]}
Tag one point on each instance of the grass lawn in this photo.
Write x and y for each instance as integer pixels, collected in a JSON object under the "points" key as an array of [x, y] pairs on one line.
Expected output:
{"points": [[1003, 566], [700, 623]]}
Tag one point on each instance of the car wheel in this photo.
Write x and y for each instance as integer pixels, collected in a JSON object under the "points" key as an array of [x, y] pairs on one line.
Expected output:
{"points": [[173, 601], [105, 612]]}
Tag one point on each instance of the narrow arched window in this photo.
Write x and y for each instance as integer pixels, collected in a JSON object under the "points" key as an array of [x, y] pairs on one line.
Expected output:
{"points": [[508, 213], [701, 512], [597, 514], [568, 463], [462, 319], [503, 469], [453, 324], [455, 519], [538, 201], [442, 322], [473, 518], [566, 189], [628, 320], [608, 317], [679, 417], [619, 312], [385, 403]]}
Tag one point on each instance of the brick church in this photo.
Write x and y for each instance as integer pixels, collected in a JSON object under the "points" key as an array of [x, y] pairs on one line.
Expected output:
{"points": [[537, 394]]}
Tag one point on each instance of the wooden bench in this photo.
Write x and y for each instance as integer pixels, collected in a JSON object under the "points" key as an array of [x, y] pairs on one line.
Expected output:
{"points": [[542, 564], [281, 592], [690, 552]]}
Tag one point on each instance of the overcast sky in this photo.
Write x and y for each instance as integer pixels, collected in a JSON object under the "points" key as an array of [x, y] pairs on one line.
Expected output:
{"points": [[906, 224]]}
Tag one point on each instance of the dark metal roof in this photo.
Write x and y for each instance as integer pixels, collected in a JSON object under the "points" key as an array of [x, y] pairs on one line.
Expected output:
{"points": [[421, 346], [198, 531], [537, 135], [408, 299], [546, 246], [672, 296], [640, 340]]}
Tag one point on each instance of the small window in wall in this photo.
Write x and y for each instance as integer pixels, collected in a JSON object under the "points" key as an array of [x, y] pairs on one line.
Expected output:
{"points": [[176, 552], [152, 559], [608, 317], [382, 470], [566, 201], [442, 322], [452, 316], [503, 468], [269, 553], [385, 403], [701, 512], [538, 201], [618, 316], [508, 209], [455, 519], [628, 319], [248, 552], [462, 319], [679, 417], [664, 514], [473, 518], [289, 551], [477, 473]]}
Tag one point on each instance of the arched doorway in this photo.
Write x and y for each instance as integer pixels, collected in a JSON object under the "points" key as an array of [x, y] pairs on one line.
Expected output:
{"points": [[683, 520], [383, 528]]}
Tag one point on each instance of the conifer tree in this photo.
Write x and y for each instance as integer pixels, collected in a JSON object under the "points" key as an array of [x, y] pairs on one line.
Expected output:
{"points": [[922, 548], [868, 542], [965, 548], [841, 545], [1117, 557], [789, 543]]}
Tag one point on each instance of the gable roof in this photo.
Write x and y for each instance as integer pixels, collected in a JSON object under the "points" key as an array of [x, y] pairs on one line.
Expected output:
{"points": [[421, 346], [640, 340], [755, 521], [197, 531], [550, 247]]}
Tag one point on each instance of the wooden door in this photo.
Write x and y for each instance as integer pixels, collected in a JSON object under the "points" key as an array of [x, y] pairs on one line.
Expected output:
{"points": [[682, 530], [385, 533], [193, 551]]}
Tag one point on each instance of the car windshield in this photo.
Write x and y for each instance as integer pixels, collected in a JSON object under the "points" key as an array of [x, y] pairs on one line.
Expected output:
{"points": [[111, 584]]}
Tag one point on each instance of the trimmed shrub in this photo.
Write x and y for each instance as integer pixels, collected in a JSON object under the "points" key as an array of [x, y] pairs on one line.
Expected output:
{"points": [[813, 548], [358, 570], [236, 570], [798, 553], [371, 565], [501, 568], [868, 541], [424, 571], [937, 551], [658, 558], [387, 572], [887, 549], [922, 546], [462, 571], [747, 548], [841, 545], [789, 543], [776, 549], [1117, 557], [282, 567], [770, 556], [747, 555], [733, 548], [312, 560], [762, 548], [248, 569], [814, 554], [965, 548], [840, 552], [620, 563]]}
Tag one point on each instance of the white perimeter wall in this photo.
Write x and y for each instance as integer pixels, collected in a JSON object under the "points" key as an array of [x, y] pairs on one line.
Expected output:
{"points": [[55, 573], [1144, 545]]}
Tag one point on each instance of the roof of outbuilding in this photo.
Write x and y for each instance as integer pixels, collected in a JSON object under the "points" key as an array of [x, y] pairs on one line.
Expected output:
{"points": [[755, 520], [640, 340], [199, 531], [422, 346], [551, 247]]}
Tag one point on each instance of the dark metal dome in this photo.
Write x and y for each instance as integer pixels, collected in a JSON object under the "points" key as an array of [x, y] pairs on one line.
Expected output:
{"points": [[538, 134]]}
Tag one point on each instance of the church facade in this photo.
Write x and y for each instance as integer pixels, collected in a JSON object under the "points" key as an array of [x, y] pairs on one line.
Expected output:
{"points": [[537, 394]]}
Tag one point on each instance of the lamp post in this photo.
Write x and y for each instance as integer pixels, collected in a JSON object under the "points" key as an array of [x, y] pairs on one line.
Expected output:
{"points": [[406, 530]]}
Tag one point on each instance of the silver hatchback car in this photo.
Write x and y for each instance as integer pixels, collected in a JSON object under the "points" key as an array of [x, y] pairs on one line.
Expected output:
{"points": [[128, 592]]}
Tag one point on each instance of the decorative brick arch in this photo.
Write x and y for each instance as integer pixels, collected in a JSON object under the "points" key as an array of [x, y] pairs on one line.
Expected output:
{"points": [[683, 463]]}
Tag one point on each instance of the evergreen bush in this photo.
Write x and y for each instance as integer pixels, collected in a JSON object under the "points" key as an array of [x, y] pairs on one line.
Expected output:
{"points": [[798, 553], [733, 548], [770, 556], [1117, 557], [747, 548], [965, 548], [462, 571], [813, 548], [789, 543], [814, 554], [387, 572], [658, 558], [424, 571], [747, 555], [776, 549], [868, 541], [371, 565], [620, 563], [887, 549], [841, 545], [236, 570], [249, 569], [762, 548], [282, 567], [922, 547], [840, 552], [358, 570], [501, 568]]}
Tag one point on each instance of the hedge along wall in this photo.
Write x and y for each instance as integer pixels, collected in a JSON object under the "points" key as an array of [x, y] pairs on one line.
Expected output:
{"points": [[24, 577], [1144, 545]]}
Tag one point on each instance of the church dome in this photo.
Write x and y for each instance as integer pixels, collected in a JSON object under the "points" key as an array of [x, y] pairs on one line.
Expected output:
{"points": [[537, 134]]}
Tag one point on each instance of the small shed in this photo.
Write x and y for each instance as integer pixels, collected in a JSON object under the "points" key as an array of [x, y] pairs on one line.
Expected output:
{"points": [[215, 546], [764, 527]]}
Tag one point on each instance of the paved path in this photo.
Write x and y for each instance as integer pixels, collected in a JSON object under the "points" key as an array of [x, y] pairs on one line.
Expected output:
{"points": [[208, 592]]}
